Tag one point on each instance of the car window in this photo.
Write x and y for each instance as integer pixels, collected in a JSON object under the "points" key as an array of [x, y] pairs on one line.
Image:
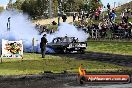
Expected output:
{"points": [[67, 39], [54, 41], [60, 40], [57, 40]]}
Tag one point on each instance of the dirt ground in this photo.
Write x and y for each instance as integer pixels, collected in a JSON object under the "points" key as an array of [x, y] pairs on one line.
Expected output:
{"points": [[67, 80], [122, 60], [49, 21], [45, 81], [55, 81]]}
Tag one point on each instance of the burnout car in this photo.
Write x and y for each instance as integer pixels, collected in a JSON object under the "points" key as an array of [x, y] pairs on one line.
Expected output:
{"points": [[67, 45]]}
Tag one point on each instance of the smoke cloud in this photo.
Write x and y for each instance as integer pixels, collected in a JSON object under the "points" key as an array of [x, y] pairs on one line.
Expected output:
{"points": [[69, 30], [21, 28]]}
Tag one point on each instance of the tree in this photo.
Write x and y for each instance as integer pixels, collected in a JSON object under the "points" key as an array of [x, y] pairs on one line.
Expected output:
{"points": [[18, 4], [1, 8], [72, 5], [92, 5], [80, 5], [55, 7], [35, 8]]}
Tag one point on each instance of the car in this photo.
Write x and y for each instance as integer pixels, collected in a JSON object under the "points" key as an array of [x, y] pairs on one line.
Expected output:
{"points": [[67, 45]]}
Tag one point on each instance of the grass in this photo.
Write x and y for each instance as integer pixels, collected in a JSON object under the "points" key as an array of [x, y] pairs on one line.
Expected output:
{"points": [[54, 27], [37, 65], [123, 48], [34, 64], [119, 20]]}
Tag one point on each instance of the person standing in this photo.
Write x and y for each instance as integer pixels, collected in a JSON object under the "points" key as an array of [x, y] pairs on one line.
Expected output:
{"points": [[96, 15], [43, 45], [8, 24], [64, 17], [108, 6], [74, 17]]}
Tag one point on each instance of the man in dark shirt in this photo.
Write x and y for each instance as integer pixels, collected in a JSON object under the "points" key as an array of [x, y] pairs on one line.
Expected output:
{"points": [[74, 17], [108, 6], [43, 45], [64, 17]]}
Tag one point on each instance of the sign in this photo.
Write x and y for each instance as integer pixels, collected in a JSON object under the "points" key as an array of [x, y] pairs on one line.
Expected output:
{"points": [[107, 78], [101, 78], [12, 49]]}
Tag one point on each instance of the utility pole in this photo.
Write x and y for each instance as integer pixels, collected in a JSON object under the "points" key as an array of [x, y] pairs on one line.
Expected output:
{"points": [[114, 4], [8, 24], [59, 10], [50, 8]]}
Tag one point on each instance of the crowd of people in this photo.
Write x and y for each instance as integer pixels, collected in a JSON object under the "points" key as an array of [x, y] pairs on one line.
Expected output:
{"points": [[114, 30], [44, 29], [108, 27]]}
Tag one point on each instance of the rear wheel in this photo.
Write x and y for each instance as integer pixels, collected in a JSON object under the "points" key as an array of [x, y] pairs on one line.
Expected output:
{"points": [[82, 51], [65, 50]]}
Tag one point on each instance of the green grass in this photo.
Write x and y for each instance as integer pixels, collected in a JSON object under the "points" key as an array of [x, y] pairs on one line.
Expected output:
{"points": [[34, 64], [54, 27], [123, 48], [119, 20]]}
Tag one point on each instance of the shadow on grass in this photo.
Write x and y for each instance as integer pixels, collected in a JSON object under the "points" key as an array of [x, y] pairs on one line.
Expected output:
{"points": [[122, 60]]}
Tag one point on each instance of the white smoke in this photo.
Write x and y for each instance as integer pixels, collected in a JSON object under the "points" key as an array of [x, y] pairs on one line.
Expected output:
{"points": [[21, 28], [69, 30]]}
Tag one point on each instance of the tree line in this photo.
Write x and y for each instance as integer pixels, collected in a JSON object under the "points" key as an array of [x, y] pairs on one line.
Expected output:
{"points": [[40, 8]]}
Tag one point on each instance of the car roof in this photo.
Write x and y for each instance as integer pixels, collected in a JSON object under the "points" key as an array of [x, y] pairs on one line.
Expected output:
{"points": [[63, 37]]}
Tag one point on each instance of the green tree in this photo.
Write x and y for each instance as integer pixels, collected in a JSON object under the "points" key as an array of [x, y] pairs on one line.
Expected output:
{"points": [[35, 8], [92, 5], [55, 7], [80, 5], [18, 4], [1, 8]]}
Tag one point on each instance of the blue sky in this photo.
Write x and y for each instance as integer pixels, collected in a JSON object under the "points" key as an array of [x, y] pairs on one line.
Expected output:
{"points": [[112, 2], [4, 2]]}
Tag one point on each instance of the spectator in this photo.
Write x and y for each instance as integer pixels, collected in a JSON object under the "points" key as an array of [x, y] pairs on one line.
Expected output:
{"points": [[64, 17], [79, 16], [108, 6], [125, 19], [54, 23], [113, 17], [74, 17], [113, 10], [96, 15], [83, 16], [87, 15], [129, 29], [126, 30]]}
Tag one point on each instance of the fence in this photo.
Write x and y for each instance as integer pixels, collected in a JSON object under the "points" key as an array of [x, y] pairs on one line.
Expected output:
{"points": [[110, 34]]}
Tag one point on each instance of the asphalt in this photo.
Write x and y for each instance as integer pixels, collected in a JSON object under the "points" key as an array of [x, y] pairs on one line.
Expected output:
{"points": [[51, 81]]}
